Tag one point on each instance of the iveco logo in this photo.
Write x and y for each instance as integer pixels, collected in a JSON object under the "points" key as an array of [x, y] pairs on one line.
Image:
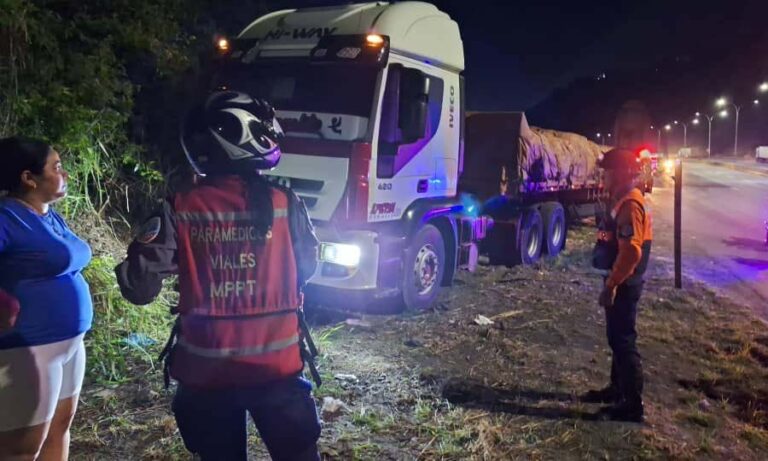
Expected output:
{"points": [[303, 33], [452, 106]]}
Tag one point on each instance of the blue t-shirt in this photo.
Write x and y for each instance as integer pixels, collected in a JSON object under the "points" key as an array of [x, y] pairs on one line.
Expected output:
{"points": [[41, 263]]}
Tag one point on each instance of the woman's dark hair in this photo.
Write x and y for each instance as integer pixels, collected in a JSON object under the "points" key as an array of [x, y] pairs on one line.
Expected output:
{"points": [[18, 155]]}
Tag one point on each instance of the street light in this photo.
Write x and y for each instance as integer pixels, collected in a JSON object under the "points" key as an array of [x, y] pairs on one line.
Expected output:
{"points": [[722, 102], [685, 131], [658, 140], [756, 102], [668, 127], [763, 87], [709, 127]]}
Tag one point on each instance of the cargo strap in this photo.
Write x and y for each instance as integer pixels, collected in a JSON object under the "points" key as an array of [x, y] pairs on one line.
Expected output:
{"points": [[165, 354], [308, 349]]}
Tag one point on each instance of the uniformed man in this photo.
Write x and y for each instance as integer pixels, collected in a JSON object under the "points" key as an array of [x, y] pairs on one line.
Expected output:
{"points": [[623, 249], [242, 248]]}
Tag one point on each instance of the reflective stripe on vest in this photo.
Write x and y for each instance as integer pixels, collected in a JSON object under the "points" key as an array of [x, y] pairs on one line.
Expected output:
{"points": [[238, 289], [209, 216], [222, 353]]}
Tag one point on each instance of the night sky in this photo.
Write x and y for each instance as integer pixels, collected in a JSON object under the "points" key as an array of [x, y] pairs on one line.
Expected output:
{"points": [[518, 52], [544, 57]]}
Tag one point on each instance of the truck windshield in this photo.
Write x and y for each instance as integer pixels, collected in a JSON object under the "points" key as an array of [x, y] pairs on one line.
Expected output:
{"points": [[312, 101]]}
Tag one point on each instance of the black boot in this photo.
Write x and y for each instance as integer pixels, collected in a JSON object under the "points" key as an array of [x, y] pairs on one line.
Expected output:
{"points": [[608, 394], [625, 411]]}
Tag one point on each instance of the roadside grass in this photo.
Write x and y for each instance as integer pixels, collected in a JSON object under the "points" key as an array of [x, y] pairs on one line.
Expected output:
{"points": [[123, 335]]}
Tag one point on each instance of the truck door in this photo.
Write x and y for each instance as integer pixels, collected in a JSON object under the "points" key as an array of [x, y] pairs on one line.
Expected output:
{"points": [[407, 149]]}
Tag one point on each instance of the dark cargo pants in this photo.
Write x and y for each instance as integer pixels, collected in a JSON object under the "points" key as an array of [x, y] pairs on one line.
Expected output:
{"points": [[213, 422], [626, 366]]}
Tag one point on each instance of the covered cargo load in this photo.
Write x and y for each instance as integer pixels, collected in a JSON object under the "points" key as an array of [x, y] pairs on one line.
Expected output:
{"points": [[506, 156]]}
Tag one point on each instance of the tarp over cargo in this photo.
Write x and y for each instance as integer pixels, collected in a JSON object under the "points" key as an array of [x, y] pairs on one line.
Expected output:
{"points": [[504, 155]]}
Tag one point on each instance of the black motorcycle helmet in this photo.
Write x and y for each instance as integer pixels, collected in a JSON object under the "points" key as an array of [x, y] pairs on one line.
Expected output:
{"points": [[231, 133]]}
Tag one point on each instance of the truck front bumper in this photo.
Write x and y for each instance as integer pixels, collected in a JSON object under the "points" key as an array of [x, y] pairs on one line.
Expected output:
{"points": [[352, 280]]}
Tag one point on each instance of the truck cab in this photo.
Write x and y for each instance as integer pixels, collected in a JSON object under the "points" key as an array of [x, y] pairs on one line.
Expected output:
{"points": [[370, 97]]}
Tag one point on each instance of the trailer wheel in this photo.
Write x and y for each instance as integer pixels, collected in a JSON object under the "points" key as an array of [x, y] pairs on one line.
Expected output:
{"points": [[555, 227], [530, 236], [424, 266]]}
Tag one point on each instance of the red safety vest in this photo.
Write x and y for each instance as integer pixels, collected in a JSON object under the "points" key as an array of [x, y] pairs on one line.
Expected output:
{"points": [[239, 298]]}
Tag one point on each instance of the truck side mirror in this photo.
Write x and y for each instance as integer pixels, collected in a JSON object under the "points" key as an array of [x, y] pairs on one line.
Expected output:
{"points": [[413, 99]]}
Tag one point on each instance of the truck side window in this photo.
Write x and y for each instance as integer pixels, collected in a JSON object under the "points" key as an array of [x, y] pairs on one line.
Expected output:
{"points": [[393, 155]]}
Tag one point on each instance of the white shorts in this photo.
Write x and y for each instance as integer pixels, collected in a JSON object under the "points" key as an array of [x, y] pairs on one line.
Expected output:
{"points": [[33, 380]]}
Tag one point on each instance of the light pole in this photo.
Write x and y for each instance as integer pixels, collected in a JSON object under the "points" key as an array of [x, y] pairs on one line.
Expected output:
{"points": [[709, 130], [685, 132], [722, 102], [658, 139]]}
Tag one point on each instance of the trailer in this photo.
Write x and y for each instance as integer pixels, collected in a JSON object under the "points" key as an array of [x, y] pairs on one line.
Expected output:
{"points": [[531, 181]]}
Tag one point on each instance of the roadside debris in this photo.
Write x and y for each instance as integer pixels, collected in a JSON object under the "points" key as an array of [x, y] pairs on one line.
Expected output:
{"points": [[483, 320]]}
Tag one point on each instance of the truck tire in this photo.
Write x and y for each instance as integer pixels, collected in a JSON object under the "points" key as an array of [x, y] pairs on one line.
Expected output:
{"points": [[423, 269], [530, 237], [555, 227]]}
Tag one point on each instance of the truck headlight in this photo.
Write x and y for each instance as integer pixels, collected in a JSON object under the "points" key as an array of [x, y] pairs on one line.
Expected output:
{"points": [[340, 253]]}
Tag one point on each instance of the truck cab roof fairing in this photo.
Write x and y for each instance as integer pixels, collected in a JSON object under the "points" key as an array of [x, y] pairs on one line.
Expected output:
{"points": [[416, 29]]}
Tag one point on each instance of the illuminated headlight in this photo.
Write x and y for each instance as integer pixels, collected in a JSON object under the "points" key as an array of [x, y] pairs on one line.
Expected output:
{"points": [[669, 165], [340, 253]]}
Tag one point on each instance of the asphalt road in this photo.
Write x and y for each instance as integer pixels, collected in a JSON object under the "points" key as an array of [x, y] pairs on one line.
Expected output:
{"points": [[723, 232]]}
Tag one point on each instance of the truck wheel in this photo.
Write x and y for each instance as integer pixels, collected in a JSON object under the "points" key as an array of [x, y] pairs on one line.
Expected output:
{"points": [[531, 236], [424, 266], [555, 227]]}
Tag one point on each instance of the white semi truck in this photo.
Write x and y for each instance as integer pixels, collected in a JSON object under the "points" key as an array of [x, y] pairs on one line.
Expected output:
{"points": [[371, 99]]}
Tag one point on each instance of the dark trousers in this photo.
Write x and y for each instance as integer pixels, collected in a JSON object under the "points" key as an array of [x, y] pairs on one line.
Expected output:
{"points": [[626, 366], [213, 422]]}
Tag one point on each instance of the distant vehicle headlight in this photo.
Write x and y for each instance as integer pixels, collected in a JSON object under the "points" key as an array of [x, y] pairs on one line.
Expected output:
{"points": [[669, 166]]}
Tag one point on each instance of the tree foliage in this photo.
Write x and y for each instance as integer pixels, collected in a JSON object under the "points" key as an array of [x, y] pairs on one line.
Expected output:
{"points": [[69, 73]]}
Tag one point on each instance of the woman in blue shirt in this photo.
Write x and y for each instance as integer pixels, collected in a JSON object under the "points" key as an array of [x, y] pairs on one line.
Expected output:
{"points": [[45, 305]]}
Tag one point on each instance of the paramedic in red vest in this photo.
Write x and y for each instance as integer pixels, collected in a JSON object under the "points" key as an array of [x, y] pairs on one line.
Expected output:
{"points": [[628, 228], [242, 249]]}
